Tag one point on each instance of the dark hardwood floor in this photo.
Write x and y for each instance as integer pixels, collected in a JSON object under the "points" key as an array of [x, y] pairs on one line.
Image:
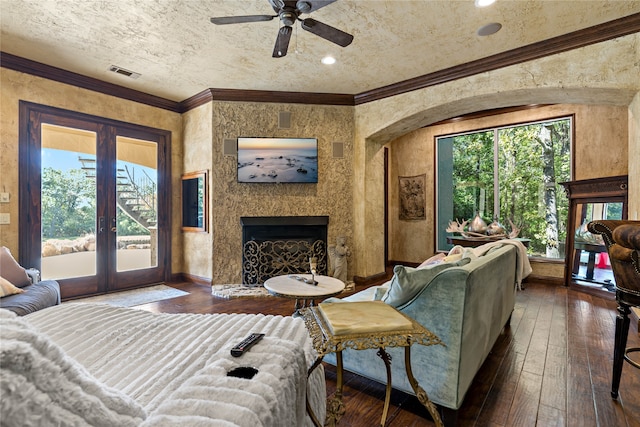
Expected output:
{"points": [[551, 367]]}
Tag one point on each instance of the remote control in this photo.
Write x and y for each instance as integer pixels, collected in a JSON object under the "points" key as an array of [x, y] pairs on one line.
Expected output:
{"points": [[245, 344]]}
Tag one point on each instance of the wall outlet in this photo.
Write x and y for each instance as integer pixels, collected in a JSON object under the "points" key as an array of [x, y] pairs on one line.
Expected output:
{"points": [[5, 218], [4, 197]]}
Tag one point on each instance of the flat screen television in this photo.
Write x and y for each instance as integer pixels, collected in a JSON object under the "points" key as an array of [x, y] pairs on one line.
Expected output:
{"points": [[277, 160]]}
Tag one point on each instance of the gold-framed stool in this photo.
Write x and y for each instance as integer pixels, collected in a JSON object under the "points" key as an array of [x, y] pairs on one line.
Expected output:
{"points": [[363, 325]]}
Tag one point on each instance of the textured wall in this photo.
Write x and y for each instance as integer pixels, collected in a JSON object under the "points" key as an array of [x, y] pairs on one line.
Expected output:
{"points": [[230, 200], [411, 155], [601, 74], [634, 158], [19, 86], [197, 134], [600, 150]]}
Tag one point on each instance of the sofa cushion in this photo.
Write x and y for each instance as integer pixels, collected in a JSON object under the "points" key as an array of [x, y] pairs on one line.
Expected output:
{"points": [[42, 385], [408, 281], [7, 288], [373, 316], [11, 270]]}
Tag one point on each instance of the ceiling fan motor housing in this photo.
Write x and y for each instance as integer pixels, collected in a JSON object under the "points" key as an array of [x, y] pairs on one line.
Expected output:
{"points": [[288, 16]]}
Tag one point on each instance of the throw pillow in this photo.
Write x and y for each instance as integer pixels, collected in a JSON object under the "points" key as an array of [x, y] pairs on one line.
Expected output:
{"points": [[436, 259], [452, 257], [380, 293], [11, 270], [408, 281], [7, 288]]}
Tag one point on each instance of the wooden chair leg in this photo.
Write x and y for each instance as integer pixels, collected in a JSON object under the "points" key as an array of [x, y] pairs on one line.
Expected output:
{"points": [[622, 330]]}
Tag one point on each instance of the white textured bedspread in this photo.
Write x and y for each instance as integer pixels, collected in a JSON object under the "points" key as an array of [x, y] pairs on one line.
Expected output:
{"points": [[175, 365]]}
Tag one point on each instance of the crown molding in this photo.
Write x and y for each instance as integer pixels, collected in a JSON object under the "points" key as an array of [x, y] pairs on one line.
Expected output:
{"points": [[39, 69], [196, 100], [488, 113], [585, 37], [309, 98]]}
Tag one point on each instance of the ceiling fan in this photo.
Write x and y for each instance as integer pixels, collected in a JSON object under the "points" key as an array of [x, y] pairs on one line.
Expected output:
{"points": [[289, 12]]}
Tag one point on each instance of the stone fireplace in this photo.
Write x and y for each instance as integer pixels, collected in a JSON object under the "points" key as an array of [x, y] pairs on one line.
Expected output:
{"points": [[277, 245]]}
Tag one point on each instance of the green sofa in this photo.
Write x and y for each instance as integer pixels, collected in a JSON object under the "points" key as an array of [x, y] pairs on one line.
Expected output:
{"points": [[467, 307]]}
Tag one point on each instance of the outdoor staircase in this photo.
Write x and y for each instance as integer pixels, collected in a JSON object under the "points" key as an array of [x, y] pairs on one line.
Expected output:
{"points": [[135, 196]]}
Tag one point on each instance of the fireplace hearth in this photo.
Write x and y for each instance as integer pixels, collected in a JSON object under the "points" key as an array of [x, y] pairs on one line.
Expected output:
{"points": [[273, 246]]}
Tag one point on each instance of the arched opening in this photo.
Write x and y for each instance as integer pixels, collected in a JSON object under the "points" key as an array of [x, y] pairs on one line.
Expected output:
{"points": [[371, 206]]}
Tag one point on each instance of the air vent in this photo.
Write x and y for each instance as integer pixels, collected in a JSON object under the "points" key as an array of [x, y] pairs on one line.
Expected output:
{"points": [[124, 72]]}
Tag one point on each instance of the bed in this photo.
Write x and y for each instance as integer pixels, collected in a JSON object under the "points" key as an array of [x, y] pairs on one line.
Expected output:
{"points": [[105, 365]]}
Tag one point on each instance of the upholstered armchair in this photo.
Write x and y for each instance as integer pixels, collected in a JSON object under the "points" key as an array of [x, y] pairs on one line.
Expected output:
{"points": [[622, 239]]}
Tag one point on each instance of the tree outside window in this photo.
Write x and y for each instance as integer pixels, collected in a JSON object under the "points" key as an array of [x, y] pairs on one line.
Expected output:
{"points": [[511, 175]]}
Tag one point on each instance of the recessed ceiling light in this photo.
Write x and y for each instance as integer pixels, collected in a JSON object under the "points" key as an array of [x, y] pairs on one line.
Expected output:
{"points": [[328, 60], [484, 3], [487, 30]]}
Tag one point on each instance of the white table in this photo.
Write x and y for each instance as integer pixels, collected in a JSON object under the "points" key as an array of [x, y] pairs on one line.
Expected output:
{"points": [[288, 286]]}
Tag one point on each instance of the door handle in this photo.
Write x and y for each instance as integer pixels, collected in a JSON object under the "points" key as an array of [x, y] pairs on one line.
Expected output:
{"points": [[114, 227], [101, 224]]}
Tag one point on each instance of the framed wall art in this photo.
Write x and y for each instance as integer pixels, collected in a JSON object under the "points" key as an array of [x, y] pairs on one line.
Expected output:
{"points": [[412, 197]]}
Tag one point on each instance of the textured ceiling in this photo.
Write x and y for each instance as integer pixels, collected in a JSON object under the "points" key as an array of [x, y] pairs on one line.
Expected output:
{"points": [[179, 53]]}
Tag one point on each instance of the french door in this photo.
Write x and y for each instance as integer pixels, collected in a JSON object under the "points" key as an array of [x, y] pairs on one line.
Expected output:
{"points": [[94, 200]]}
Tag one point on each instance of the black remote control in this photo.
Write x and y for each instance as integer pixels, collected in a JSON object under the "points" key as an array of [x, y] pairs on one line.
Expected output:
{"points": [[245, 344]]}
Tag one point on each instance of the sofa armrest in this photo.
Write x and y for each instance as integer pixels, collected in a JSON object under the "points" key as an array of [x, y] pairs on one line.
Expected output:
{"points": [[628, 235], [34, 275], [605, 229], [41, 295]]}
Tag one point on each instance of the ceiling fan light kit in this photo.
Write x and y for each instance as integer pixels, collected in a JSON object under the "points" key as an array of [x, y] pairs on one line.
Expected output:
{"points": [[303, 6], [289, 12]]}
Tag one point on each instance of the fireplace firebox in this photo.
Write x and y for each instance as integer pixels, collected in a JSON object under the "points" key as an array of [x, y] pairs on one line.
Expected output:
{"points": [[277, 245]]}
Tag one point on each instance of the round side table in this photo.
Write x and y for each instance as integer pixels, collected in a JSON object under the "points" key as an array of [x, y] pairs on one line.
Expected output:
{"points": [[293, 286]]}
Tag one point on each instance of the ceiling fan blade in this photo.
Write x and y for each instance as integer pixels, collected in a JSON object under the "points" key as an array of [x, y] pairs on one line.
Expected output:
{"points": [[327, 32], [282, 42], [241, 19], [276, 4]]}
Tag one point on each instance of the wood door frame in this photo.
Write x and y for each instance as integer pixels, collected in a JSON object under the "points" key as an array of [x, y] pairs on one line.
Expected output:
{"points": [[31, 116]]}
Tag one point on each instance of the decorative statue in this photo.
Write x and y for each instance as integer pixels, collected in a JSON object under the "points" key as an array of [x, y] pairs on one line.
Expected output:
{"points": [[338, 255]]}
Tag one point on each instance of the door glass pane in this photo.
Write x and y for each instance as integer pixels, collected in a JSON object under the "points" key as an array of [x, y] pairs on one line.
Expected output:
{"points": [[136, 204], [68, 202]]}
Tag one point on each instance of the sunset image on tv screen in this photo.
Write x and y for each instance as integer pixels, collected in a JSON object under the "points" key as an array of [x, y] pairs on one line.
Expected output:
{"points": [[271, 160]]}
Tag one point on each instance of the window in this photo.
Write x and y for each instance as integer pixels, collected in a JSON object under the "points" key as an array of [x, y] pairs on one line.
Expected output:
{"points": [[509, 174]]}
